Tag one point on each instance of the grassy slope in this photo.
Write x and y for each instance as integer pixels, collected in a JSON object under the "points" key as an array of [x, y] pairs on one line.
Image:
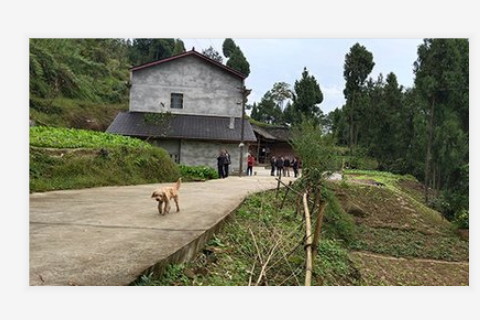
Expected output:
{"points": [[71, 113], [395, 240], [102, 160]]}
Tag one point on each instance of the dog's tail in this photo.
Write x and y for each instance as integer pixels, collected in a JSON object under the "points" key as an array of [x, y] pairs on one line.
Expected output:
{"points": [[178, 184]]}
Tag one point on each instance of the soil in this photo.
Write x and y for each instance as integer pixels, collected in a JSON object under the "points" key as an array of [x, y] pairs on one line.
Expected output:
{"points": [[390, 271]]}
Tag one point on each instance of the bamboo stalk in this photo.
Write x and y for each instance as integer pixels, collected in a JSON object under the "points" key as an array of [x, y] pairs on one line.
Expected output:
{"points": [[308, 243]]}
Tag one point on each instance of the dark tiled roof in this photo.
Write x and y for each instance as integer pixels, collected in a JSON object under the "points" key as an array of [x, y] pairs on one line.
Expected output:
{"points": [[279, 133], [198, 127]]}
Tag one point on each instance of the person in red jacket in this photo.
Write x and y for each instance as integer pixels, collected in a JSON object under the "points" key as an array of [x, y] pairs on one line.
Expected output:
{"points": [[250, 163]]}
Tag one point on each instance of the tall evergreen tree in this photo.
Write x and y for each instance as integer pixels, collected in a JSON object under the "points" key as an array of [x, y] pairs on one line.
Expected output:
{"points": [[358, 65], [306, 98]]}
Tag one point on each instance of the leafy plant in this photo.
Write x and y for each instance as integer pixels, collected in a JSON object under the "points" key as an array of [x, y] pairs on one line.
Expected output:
{"points": [[197, 172], [51, 137]]}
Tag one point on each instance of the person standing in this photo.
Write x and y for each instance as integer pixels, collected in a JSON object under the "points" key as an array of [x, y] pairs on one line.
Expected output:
{"points": [[279, 166], [221, 160], [272, 164], [227, 162], [250, 163], [295, 166], [286, 167]]}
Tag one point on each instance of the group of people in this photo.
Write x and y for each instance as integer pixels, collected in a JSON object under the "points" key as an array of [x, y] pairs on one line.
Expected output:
{"points": [[282, 166], [224, 161]]}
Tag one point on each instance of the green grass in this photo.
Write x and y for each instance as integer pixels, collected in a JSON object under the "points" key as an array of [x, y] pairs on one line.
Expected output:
{"points": [[237, 262], [410, 243], [74, 113], [104, 160], [121, 166], [51, 137]]}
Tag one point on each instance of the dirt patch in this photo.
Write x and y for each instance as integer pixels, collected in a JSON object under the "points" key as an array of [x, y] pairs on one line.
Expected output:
{"points": [[376, 270]]}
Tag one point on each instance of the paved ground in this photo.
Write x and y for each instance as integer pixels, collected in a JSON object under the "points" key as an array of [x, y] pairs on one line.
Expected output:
{"points": [[110, 235]]}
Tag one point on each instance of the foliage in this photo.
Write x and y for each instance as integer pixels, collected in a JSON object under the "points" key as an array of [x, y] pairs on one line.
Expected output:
{"points": [[73, 113], [212, 54], [358, 65], [143, 50], [51, 137], [94, 70], [305, 100], [316, 150], [197, 172], [110, 166], [422, 130], [236, 252], [236, 58]]}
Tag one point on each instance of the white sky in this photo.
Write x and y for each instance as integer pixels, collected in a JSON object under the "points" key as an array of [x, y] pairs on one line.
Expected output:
{"points": [[283, 59]]}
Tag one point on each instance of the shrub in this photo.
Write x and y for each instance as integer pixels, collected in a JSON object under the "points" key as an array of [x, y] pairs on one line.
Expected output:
{"points": [[197, 172]]}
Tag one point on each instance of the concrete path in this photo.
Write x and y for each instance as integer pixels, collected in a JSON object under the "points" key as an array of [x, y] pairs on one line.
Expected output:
{"points": [[111, 235]]}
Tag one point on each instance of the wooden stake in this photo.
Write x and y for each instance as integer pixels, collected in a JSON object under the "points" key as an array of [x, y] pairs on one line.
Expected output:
{"points": [[308, 243]]}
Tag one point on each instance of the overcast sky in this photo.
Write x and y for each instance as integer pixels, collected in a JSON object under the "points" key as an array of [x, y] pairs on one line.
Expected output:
{"points": [[283, 60]]}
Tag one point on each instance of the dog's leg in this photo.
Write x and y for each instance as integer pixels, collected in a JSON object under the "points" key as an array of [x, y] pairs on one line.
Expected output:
{"points": [[160, 203], [167, 205], [176, 202]]}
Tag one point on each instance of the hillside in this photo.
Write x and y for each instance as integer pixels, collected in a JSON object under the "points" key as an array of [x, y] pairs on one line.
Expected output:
{"points": [[375, 233], [63, 158]]}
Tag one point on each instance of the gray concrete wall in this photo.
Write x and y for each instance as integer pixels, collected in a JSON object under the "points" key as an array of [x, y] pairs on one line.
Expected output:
{"points": [[196, 153], [203, 153], [171, 146], [206, 89]]}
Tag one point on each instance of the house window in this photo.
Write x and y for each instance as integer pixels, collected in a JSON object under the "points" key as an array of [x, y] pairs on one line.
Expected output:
{"points": [[176, 101]]}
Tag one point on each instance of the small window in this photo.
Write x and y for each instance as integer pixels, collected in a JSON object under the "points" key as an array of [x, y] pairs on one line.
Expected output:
{"points": [[176, 101]]}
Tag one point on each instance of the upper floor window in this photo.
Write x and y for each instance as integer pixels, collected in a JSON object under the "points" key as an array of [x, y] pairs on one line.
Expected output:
{"points": [[176, 101]]}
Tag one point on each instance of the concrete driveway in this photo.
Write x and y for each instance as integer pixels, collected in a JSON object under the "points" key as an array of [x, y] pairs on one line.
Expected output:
{"points": [[111, 235]]}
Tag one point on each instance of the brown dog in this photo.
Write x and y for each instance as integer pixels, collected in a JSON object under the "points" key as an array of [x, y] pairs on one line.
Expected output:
{"points": [[164, 195]]}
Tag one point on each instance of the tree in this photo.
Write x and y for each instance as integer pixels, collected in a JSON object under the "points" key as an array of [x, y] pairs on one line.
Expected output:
{"points": [[236, 58], [306, 98], [267, 110], [280, 93], [238, 62], [212, 54], [144, 50], [441, 80], [358, 65], [228, 47]]}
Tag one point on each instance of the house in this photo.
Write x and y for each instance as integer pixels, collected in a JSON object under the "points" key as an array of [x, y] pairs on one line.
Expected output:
{"points": [[189, 105], [271, 141]]}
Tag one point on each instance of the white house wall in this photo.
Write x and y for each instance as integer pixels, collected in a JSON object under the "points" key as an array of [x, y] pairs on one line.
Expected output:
{"points": [[206, 89]]}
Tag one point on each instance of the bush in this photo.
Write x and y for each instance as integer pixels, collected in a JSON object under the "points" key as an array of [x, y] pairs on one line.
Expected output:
{"points": [[197, 172], [461, 219]]}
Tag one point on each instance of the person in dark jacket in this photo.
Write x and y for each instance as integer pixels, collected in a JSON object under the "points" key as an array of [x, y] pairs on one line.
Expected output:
{"points": [[295, 166], [279, 166], [272, 164], [227, 162], [286, 167], [221, 160]]}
